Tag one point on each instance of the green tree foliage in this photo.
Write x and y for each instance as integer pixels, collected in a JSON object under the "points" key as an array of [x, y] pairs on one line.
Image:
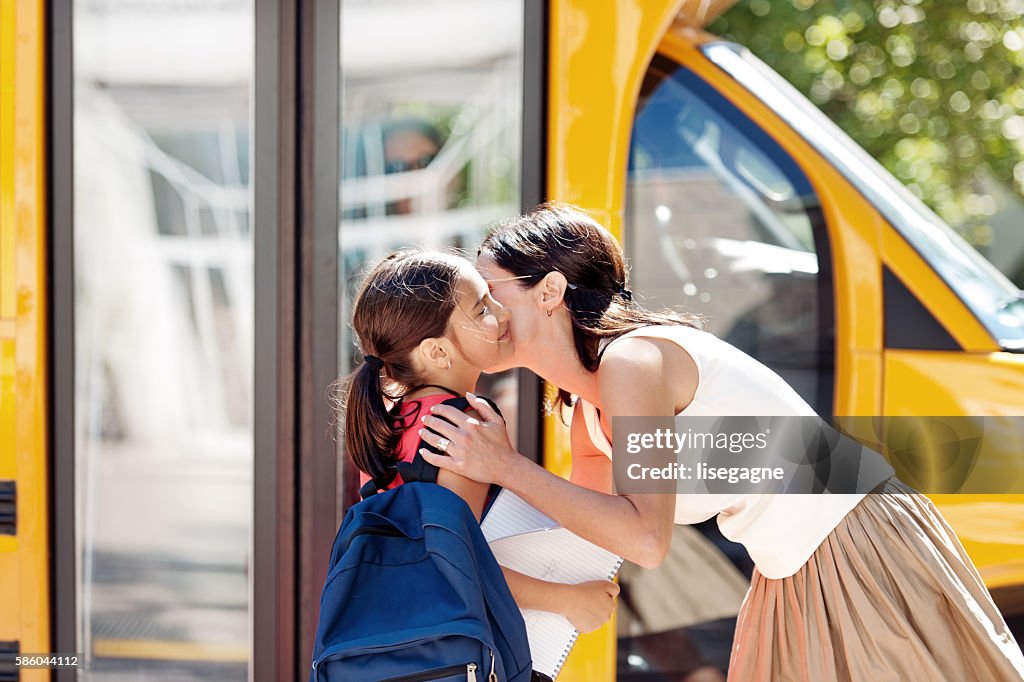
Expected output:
{"points": [[933, 89]]}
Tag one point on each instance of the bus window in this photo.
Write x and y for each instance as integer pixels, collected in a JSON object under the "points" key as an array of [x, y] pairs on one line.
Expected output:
{"points": [[720, 222]]}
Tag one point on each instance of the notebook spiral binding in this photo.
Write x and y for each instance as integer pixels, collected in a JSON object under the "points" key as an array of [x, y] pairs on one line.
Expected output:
{"points": [[572, 642], [565, 655]]}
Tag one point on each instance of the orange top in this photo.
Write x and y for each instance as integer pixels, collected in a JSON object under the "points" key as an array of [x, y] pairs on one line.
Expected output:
{"points": [[409, 420]]}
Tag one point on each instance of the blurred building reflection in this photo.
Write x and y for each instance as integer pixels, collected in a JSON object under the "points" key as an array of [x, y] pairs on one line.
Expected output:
{"points": [[164, 326], [431, 134]]}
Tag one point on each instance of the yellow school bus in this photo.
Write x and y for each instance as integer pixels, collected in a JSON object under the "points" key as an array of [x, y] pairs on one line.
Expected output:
{"points": [[168, 495]]}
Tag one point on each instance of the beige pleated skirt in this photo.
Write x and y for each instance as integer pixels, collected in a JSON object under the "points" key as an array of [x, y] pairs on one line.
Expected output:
{"points": [[889, 595]]}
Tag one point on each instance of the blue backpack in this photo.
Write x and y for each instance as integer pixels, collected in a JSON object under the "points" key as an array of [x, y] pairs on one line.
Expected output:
{"points": [[413, 593]]}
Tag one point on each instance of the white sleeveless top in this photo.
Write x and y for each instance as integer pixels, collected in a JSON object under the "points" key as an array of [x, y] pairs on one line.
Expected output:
{"points": [[780, 532]]}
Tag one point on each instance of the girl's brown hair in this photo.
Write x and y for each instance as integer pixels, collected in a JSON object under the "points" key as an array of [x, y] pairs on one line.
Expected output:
{"points": [[561, 238], [408, 297]]}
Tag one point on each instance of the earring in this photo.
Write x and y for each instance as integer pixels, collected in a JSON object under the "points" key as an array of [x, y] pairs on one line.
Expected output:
{"points": [[549, 313], [449, 363]]}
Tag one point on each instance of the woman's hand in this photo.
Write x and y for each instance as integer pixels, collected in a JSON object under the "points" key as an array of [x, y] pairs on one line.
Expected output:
{"points": [[589, 605], [477, 448]]}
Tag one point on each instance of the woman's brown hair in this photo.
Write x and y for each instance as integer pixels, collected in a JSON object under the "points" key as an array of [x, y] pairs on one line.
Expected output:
{"points": [[561, 238], [406, 298]]}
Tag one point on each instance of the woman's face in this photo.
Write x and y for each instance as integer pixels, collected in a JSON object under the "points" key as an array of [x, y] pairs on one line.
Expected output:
{"points": [[520, 305], [479, 324]]}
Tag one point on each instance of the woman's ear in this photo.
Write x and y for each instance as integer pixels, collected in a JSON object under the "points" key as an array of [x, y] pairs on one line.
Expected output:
{"points": [[433, 353], [552, 290]]}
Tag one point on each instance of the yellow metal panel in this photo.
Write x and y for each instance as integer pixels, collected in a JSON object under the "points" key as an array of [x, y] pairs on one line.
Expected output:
{"points": [[859, 385], [10, 593], [599, 52], [991, 528], [949, 383], [598, 55], [952, 383], [23, 571], [7, 95], [8, 421], [593, 657]]}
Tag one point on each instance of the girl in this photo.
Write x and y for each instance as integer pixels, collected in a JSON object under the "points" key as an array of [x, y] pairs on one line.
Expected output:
{"points": [[847, 587], [426, 323]]}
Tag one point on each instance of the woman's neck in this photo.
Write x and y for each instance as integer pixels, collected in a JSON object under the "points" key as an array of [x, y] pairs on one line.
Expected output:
{"points": [[561, 366]]}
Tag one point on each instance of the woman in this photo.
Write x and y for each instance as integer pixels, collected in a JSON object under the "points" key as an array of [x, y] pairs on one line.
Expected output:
{"points": [[847, 587]]}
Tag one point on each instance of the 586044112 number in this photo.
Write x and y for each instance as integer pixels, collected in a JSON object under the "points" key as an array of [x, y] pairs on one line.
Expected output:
{"points": [[48, 660]]}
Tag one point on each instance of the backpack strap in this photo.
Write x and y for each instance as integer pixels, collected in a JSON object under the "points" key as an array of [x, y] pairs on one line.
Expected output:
{"points": [[374, 485], [418, 469]]}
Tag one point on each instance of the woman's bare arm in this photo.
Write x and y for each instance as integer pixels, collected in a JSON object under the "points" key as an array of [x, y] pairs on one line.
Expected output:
{"points": [[639, 527], [587, 605], [636, 526]]}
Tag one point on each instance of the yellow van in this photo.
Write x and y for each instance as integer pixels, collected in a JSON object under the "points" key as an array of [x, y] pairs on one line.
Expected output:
{"points": [[736, 198]]}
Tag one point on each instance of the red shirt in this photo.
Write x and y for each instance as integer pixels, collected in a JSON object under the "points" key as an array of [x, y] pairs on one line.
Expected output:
{"points": [[412, 410]]}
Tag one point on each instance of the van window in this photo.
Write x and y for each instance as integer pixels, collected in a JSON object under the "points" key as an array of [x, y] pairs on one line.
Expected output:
{"points": [[721, 221]]}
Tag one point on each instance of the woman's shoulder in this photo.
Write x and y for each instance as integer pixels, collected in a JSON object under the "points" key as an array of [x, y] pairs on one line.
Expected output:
{"points": [[631, 350], [648, 360], [654, 347]]}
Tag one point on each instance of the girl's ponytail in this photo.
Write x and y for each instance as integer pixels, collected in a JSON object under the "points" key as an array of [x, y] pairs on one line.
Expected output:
{"points": [[370, 436], [407, 297]]}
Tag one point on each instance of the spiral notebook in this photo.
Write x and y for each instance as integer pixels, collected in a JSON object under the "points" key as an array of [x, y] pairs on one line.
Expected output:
{"points": [[525, 540]]}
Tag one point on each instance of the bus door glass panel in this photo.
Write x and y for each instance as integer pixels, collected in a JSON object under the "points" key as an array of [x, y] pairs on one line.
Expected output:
{"points": [[431, 127], [163, 337], [720, 221]]}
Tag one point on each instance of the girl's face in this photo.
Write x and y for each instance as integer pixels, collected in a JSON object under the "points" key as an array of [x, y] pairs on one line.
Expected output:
{"points": [[521, 309], [479, 324]]}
